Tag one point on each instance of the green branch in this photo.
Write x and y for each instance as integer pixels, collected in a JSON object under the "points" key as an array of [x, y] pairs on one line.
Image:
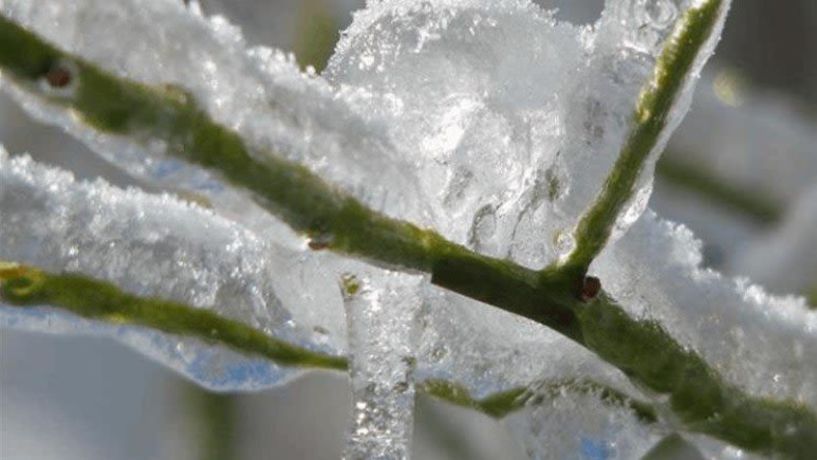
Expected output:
{"points": [[24, 287], [649, 120], [215, 417], [289, 190], [641, 349], [698, 396], [317, 34], [93, 299], [696, 179], [501, 404]]}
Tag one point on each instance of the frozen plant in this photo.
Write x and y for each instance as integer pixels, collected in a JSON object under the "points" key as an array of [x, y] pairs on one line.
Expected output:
{"points": [[455, 207]]}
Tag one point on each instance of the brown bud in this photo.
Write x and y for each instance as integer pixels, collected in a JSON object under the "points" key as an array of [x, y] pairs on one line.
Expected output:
{"points": [[317, 245], [591, 286], [58, 76]]}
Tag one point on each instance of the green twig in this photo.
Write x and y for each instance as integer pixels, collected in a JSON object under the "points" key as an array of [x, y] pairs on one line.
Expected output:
{"points": [[698, 396], [214, 416], [715, 190], [289, 190], [502, 404], [317, 33], [649, 120], [26, 286]]}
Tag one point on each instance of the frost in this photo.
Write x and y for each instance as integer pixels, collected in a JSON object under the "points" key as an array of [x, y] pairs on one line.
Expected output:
{"points": [[151, 246], [381, 311]]}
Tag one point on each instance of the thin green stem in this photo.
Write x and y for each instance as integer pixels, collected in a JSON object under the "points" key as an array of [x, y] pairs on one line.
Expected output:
{"points": [[500, 405], [643, 350], [289, 190], [214, 415], [649, 120], [317, 33], [26, 286], [715, 190], [698, 396]]}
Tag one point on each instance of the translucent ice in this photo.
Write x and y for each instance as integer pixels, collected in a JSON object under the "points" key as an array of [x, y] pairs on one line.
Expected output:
{"points": [[512, 143], [381, 311], [258, 92], [150, 246], [568, 424]]}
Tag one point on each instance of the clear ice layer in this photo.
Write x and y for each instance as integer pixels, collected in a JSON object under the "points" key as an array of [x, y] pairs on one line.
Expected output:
{"points": [[381, 312], [154, 246]]}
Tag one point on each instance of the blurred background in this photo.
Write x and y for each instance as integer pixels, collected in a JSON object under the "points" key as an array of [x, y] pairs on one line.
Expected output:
{"points": [[741, 172]]}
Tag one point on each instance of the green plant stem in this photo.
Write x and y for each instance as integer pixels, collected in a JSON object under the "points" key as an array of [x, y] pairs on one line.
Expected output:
{"points": [[289, 190], [93, 299], [641, 349], [25, 286], [501, 404], [317, 33], [748, 203], [648, 122], [698, 396], [215, 416]]}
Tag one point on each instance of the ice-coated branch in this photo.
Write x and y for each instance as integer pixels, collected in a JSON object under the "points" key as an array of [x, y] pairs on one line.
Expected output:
{"points": [[698, 395], [674, 67], [25, 286], [501, 404], [641, 349], [303, 200]]}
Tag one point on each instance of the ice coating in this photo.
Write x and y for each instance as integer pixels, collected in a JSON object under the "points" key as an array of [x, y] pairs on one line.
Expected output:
{"points": [[567, 424], [154, 246], [491, 351], [381, 311], [259, 92], [478, 120], [525, 134], [510, 147], [763, 344]]}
